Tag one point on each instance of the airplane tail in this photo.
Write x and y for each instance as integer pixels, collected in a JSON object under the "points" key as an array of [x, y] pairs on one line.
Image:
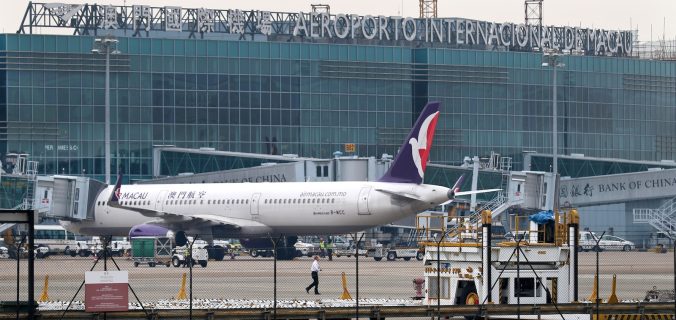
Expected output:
{"points": [[410, 163], [115, 195]]}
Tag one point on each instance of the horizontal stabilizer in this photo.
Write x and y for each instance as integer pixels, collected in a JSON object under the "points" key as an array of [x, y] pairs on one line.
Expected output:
{"points": [[464, 193], [400, 194]]}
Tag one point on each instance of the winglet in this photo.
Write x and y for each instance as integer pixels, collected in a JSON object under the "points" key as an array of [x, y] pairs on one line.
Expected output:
{"points": [[410, 163], [115, 195]]}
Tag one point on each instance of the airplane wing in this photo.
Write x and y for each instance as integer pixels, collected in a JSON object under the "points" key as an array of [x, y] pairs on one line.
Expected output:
{"points": [[166, 218]]}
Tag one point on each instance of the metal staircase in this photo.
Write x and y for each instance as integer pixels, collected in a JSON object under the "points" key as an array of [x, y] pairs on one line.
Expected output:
{"points": [[497, 205], [31, 174], [663, 218]]}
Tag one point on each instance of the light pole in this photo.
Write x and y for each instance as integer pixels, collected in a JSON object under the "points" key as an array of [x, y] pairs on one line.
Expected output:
{"points": [[106, 45], [551, 59]]}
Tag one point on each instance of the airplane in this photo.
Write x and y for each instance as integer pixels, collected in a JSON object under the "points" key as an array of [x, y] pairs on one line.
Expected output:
{"points": [[254, 212]]}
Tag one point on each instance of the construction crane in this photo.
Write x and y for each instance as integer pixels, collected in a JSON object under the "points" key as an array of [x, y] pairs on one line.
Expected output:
{"points": [[428, 8]]}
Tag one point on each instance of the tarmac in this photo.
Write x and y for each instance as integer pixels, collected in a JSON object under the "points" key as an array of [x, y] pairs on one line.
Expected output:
{"points": [[253, 279]]}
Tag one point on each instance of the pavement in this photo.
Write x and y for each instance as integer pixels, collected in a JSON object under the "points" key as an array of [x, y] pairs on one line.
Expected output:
{"points": [[254, 278]]}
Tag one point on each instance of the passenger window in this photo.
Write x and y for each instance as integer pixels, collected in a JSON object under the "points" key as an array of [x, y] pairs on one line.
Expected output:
{"points": [[247, 201]]}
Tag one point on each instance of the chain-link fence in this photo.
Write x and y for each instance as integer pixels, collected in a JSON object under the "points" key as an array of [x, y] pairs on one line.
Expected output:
{"points": [[357, 271]]}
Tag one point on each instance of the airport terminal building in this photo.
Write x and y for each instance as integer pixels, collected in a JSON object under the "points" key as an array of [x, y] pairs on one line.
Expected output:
{"points": [[313, 83]]}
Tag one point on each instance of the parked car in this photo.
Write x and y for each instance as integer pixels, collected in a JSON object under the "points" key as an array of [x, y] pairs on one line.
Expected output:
{"points": [[609, 242], [589, 239]]}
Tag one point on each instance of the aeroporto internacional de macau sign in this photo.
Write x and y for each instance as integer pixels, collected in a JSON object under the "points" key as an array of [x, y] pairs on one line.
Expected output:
{"points": [[147, 21]]}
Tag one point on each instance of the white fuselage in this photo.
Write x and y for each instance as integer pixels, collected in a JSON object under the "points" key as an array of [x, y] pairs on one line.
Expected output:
{"points": [[277, 208]]}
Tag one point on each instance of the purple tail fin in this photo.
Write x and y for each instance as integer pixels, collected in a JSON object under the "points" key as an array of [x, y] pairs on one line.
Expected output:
{"points": [[115, 195], [410, 163]]}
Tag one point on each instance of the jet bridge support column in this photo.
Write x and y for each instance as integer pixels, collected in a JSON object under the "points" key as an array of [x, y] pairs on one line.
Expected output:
{"points": [[573, 240], [486, 219]]}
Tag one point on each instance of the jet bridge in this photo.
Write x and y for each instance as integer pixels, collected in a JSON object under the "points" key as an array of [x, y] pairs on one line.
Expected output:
{"points": [[67, 197]]}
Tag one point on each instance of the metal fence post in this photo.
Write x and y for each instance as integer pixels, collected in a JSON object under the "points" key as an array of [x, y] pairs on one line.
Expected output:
{"points": [[356, 256], [598, 289], [441, 239]]}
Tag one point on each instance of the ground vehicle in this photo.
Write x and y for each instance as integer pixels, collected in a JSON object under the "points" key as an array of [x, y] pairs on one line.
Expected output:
{"points": [[199, 256], [305, 249], [349, 252], [152, 250], [588, 241], [117, 247], [378, 252], [56, 238], [609, 242]]}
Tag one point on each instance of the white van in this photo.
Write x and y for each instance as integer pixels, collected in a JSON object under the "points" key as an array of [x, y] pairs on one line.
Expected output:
{"points": [[56, 238]]}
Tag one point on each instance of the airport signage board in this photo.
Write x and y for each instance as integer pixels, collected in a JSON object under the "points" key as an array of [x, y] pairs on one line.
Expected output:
{"points": [[618, 188], [143, 20], [463, 32], [106, 291]]}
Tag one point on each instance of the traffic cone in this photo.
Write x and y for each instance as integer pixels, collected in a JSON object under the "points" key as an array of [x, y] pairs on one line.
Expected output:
{"points": [[613, 296], [44, 296], [594, 293], [346, 294], [181, 292]]}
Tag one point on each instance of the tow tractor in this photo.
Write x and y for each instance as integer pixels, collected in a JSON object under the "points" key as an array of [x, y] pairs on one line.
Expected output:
{"points": [[378, 252], [471, 270], [199, 255]]}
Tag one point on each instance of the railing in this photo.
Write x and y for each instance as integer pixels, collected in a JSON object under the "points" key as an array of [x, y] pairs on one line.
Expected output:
{"points": [[663, 218]]}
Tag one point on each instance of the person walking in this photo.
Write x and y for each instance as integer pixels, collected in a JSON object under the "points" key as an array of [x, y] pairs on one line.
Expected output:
{"points": [[314, 271]]}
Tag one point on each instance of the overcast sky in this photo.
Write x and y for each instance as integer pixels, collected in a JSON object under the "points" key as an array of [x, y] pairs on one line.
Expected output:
{"points": [[605, 14]]}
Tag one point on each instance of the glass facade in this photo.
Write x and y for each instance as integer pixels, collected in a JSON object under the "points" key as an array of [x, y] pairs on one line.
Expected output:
{"points": [[310, 99]]}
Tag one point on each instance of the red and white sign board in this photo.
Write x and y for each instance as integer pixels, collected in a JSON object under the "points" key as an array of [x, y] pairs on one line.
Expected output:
{"points": [[106, 291]]}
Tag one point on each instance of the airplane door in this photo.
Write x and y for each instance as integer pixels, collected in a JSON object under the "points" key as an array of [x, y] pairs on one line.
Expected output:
{"points": [[363, 202], [159, 202], [254, 203]]}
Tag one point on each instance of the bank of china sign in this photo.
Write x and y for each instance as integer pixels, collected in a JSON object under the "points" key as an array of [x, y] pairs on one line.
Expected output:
{"points": [[449, 31]]}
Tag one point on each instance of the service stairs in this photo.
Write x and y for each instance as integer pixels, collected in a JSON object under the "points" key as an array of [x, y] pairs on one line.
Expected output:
{"points": [[469, 226], [663, 218]]}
